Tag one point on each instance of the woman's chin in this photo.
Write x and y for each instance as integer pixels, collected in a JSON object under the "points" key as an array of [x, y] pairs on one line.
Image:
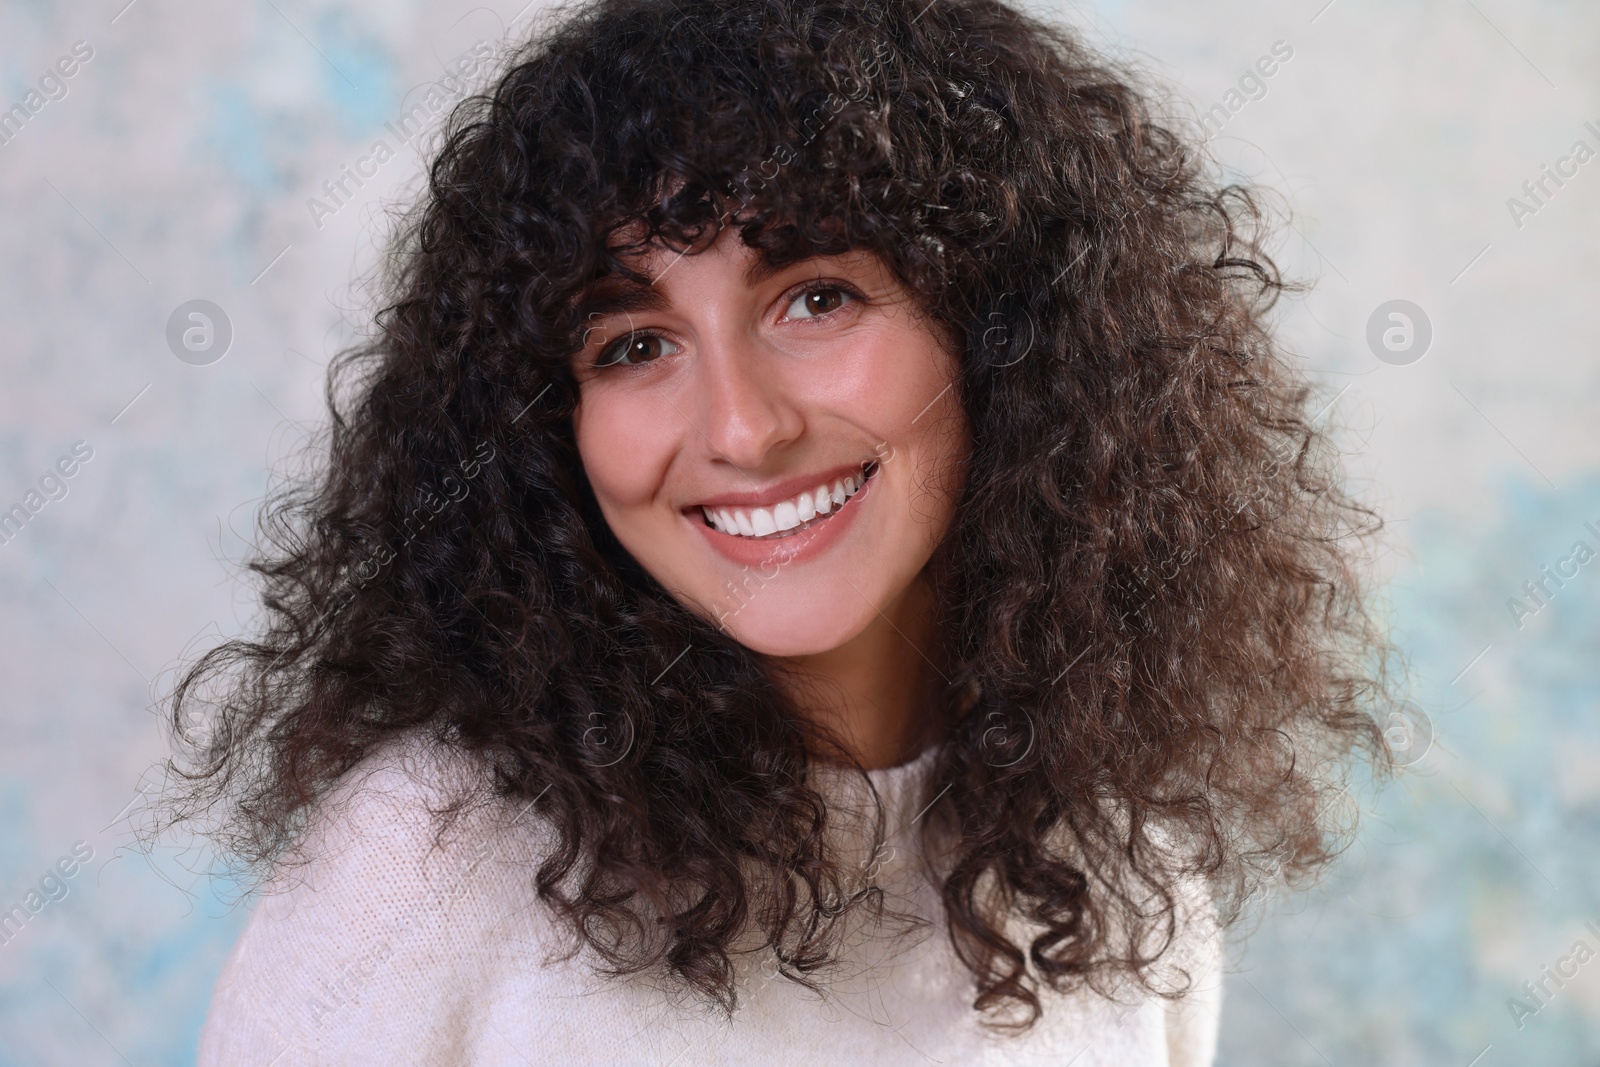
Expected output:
{"points": [[789, 630]]}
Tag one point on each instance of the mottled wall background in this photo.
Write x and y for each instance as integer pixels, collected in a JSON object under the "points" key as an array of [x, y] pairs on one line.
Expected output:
{"points": [[176, 163]]}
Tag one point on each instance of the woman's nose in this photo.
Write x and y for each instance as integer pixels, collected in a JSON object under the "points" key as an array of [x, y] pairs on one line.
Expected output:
{"points": [[747, 408]]}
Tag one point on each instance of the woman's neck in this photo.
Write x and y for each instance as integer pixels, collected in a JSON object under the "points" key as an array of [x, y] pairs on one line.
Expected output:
{"points": [[876, 690]]}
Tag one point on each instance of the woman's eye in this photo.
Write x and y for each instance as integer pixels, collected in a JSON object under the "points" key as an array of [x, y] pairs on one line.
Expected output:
{"points": [[635, 349], [819, 300]]}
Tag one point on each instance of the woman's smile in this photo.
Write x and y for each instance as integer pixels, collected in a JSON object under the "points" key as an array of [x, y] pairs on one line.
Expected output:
{"points": [[727, 513], [794, 530]]}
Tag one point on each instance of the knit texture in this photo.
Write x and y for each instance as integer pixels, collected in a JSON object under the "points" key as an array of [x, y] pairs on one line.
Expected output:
{"points": [[388, 943]]}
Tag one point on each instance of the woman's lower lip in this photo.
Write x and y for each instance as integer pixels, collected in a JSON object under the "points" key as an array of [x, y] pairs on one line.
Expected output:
{"points": [[797, 548]]}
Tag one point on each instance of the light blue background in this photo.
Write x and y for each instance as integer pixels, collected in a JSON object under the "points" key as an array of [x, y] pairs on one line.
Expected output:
{"points": [[179, 166]]}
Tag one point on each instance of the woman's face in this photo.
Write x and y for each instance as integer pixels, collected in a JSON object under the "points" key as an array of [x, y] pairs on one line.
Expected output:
{"points": [[762, 400]]}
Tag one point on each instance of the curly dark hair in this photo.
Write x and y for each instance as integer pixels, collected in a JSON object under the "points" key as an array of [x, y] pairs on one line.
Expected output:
{"points": [[1160, 650]]}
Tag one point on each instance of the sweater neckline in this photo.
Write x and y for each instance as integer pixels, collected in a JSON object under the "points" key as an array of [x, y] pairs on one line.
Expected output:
{"points": [[897, 786], [881, 851]]}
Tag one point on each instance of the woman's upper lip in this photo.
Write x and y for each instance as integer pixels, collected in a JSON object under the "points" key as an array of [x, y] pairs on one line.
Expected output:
{"points": [[778, 491]]}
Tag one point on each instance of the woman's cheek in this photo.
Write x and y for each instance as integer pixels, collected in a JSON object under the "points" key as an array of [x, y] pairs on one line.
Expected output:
{"points": [[624, 447]]}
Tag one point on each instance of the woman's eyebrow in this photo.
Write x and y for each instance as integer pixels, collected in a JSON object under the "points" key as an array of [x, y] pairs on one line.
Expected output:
{"points": [[616, 296], [616, 293]]}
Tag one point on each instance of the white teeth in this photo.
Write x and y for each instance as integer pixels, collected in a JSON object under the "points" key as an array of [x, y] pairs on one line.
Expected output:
{"points": [[786, 514]]}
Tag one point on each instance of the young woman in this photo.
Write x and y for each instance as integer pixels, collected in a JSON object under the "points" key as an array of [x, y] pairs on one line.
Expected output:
{"points": [[821, 533]]}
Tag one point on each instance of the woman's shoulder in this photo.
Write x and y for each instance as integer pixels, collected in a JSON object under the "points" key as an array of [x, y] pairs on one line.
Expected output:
{"points": [[1189, 956], [405, 898], [1195, 961], [415, 814]]}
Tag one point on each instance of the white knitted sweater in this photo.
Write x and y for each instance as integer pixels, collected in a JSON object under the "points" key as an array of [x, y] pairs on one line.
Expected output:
{"points": [[381, 949]]}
